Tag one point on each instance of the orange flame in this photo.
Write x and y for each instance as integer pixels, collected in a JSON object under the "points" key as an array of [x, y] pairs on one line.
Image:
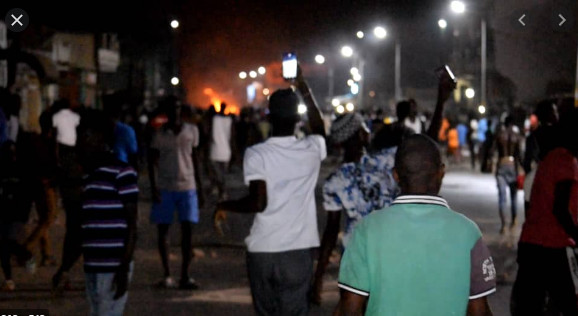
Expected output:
{"points": [[216, 101]]}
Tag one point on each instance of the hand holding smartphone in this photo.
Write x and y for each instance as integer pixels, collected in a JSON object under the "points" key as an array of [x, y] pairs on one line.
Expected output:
{"points": [[290, 66], [445, 71]]}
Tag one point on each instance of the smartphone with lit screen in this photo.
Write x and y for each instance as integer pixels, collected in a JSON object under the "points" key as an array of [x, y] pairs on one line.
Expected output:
{"points": [[289, 66], [445, 69]]}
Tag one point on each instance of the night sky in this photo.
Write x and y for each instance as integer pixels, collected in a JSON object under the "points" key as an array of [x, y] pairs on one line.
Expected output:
{"points": [[218, 39]]}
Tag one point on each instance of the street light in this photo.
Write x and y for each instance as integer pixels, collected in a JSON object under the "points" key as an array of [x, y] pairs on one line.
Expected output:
{"points": [[458, 6], [357, 77], [262, 70], [335, 102], [360, 34], [266, 91], [175, 24], [347, 51], [470, 93], [340, 109], [175, 81], [350, 82], [354, 88], [253, 74], [350, 107], [442, 24], [243, 75], [320, 59], [354, 71], [481, 109], [380, 32]]}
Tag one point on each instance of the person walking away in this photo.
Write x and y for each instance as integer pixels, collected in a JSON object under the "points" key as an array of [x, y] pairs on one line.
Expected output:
{"points": [[282, 173], [547, 248], [109, 220], [507, 143], [221, 149], [398, 259], [174, 160], [65, 123], [13, 216], [364, 182], [538, 144], [413, 120], [472, 139], [125, 143]]}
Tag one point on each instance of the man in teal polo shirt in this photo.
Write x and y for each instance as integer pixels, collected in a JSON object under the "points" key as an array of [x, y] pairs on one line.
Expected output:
{"points": [[417, 257]]}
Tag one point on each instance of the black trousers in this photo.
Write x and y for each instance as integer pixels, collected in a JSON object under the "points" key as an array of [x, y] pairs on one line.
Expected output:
{"points": [[543, 277], [280, 281]]}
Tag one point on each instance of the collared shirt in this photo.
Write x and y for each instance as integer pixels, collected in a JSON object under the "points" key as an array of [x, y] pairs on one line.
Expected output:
{"points": [[417, 257], [360, 188], [290, 168]]}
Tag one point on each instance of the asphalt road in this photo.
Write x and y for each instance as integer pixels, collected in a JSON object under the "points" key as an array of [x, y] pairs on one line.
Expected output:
{"points": [[219, 265]]}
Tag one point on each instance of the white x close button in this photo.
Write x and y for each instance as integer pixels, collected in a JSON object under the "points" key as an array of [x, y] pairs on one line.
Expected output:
{"points": [[17, 20]]}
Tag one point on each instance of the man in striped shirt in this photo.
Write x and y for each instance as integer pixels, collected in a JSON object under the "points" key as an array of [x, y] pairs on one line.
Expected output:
{"points": [[109, 219]]}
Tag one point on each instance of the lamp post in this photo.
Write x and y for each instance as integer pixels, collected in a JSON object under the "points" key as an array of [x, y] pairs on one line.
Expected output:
{"points": [[459, 7]]}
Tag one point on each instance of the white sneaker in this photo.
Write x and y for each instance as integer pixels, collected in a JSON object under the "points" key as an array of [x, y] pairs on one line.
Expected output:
{"points": [[167, 283], [31, 266]]}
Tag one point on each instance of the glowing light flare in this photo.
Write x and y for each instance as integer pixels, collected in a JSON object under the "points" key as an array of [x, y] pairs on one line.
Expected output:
{"points": [[261, 70], [243, 75], [380, 32], [442, 24], [335, 102], [253, 74], [482, 109], [302, 109], [347, 51], [357, 77], [175, 24], [360, 34], [458, 6], [350, 107], [175, 81], [266, 91], [320, 59], [340, 109], [470, 93]]}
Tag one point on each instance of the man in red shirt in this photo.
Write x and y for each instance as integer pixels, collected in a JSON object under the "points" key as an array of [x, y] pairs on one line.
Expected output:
{"points": [[550, 234]]}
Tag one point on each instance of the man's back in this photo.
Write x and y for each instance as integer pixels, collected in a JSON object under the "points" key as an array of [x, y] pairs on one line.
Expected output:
{"points": [[417, 257], [221, 137], [290, 168]]}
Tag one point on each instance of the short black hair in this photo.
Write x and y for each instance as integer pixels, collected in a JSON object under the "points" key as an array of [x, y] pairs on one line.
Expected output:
{"points": [[417, 160], [283, 105], [543, 110], [402, 109]]}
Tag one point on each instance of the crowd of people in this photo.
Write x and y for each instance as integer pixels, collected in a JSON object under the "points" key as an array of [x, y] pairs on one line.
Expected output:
{"points": [[405, 251]]}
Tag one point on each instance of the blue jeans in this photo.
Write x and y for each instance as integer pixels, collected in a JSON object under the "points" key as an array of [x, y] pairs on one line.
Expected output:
{"points": [[100, 293]]}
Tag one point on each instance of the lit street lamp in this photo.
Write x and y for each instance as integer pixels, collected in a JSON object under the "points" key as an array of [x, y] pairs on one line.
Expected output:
{"points": [[262, 70], [458, 6], [350, 107], [482, 109], [253, 74], [340, 109], [175, 24], [175, 81], [380, 32], [320, 59], [442, 24], [360, 34], [347, 51], [243, 75], [470, 93], [302, 109]]}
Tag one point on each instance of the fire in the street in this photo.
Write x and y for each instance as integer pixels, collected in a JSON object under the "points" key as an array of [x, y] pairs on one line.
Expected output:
{"points": [[216, 101]]}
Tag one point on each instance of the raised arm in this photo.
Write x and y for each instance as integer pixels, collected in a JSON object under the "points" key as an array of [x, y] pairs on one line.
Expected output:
{"points": [[313, 114], [445, 87]]}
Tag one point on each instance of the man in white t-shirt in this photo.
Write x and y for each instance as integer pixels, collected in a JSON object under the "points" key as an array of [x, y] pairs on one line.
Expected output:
{"points": [[221, 148], [282, 173]]}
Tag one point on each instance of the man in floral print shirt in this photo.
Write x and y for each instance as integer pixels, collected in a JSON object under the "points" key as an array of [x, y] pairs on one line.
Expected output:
{"points": [[364, 183]]}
